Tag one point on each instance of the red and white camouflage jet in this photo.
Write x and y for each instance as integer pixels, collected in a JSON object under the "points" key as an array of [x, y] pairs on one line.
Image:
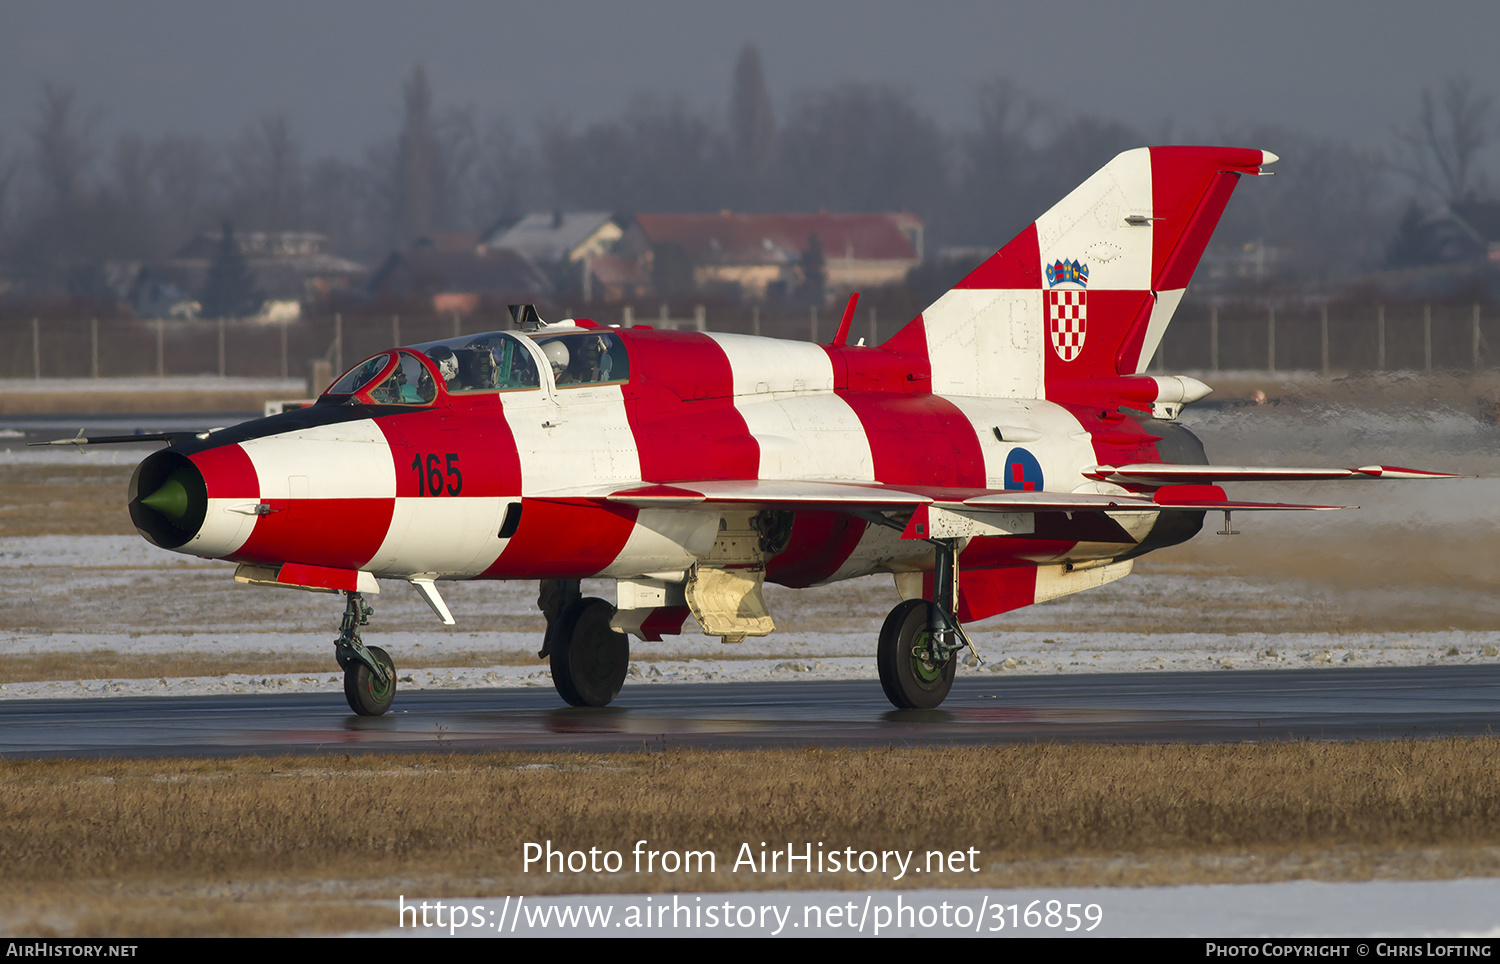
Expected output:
{"points": [[1008, 433]]}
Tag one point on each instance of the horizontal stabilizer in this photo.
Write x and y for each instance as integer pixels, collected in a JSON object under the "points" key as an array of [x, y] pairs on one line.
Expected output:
{"points": [[1147, 473]]}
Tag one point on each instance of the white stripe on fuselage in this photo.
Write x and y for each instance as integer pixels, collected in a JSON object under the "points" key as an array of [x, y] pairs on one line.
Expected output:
{"points": [[581, 440], [441, 537], [345, 460], [227, 523], [784, 392], [1046, 430]]}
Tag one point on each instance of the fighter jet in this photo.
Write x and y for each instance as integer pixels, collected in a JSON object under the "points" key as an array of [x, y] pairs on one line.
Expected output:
{"points": [[1003, 448]]}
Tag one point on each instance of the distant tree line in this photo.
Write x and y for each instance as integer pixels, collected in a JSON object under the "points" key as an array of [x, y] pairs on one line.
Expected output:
{"points": [[72, 204]]}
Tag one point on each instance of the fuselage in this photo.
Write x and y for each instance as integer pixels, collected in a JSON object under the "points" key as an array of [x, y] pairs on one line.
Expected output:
{"points": [[506, 482]]}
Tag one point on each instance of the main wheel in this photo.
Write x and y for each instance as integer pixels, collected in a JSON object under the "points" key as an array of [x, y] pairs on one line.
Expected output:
{"points": [[912, 677], [366, 694], [589, 659]]}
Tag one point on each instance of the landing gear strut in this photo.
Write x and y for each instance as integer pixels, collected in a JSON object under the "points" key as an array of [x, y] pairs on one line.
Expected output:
{"points": [[919, 643], [369, 673]]}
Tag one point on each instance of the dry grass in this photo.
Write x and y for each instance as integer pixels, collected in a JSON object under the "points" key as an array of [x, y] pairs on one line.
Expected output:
{"points": [[71, 500], [295, 840]]}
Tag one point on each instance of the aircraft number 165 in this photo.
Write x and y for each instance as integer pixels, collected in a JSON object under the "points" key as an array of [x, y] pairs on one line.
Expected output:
{"points": [[430, 478]]}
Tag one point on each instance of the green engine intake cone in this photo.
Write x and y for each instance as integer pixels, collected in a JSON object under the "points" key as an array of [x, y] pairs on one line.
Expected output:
{"points": [[170, 499]]}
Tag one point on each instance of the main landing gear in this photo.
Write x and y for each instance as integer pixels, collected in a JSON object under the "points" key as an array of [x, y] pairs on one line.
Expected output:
{"points": [[369, 673], [589, 660], [919, 643]]}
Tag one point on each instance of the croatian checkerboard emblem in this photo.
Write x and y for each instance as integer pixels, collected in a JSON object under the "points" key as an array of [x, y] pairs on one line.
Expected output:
{"points": [[1067, 308]]}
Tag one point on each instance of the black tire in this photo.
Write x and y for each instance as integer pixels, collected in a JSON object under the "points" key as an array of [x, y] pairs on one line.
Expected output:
{"points": [[910, 680], [589, 660], [366, 695]]}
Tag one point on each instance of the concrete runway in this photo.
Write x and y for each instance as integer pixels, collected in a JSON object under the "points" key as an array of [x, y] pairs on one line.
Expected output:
{"points": [[1325, 704]]}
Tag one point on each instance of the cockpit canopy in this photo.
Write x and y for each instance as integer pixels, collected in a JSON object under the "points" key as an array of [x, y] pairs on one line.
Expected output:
{"points": [[489, 362], [493, 361], [390, 378], [593, 357]]}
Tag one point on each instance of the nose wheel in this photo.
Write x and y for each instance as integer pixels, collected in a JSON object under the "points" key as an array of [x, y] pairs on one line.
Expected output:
{"points": [[370, 694], [369, 672]]}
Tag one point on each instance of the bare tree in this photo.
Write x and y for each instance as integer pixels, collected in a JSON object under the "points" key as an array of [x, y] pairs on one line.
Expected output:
{"points": [[751, 121], [862, 147], [660, 157], [186, 174], [995, 167], [507, 179], [339, 205], [265, 171], [416, 160], [64, 146], [8, 168], [1440, 153]]}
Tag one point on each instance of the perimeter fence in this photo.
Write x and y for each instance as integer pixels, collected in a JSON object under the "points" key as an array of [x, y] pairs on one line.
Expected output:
{"points": [[1329, 339]]}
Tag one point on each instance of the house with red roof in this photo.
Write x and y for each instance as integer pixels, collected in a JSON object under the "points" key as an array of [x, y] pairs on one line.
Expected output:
{"points": [[764, 255]]}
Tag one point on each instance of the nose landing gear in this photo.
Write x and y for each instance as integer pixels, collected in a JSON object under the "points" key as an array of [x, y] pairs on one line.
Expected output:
{"points": [[369, 673]]}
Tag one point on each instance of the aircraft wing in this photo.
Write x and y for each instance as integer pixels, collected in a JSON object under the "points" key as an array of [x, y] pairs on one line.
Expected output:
{"points": [[868, 496]]}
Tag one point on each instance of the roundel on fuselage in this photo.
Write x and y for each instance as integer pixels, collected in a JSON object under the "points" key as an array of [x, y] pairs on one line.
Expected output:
{"points": [[1022, 471]]}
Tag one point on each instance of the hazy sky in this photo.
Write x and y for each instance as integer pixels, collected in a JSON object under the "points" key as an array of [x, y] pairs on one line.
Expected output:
{"points": [[335, 67]]}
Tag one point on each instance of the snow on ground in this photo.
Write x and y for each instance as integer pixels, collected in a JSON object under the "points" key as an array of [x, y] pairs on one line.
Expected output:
{"points": [[692, 658], [109, 599], [1436, 909]]}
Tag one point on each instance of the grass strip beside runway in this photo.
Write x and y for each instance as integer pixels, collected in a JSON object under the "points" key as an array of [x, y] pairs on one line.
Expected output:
{"points": [[133, 846]]}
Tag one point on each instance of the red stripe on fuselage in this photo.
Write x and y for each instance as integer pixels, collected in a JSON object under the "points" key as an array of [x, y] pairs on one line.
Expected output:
{"points": [[338, 533], [465, 448], [563, 540], [1117, 438], [983, 593], [681, 410], [227, 472], [919, 440], [820, 543]]}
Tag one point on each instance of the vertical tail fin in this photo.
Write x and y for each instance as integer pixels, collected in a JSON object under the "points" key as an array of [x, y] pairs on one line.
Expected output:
{"points": [[1088, 289]]}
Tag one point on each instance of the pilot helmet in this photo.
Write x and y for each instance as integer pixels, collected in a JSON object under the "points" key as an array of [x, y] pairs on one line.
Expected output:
{"points": [[557, 354], [447, 362]]}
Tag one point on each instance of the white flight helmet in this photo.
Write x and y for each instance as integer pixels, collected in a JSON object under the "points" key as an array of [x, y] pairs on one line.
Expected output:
{"points": [[447, 363], [557, 354]]}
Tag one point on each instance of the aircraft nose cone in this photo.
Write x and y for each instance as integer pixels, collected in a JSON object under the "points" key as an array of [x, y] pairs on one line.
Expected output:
{"points": [[170, 499]]}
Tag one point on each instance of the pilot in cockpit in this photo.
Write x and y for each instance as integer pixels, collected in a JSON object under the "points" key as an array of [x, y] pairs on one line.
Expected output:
{"points": [[558, 355], [447, 365]]}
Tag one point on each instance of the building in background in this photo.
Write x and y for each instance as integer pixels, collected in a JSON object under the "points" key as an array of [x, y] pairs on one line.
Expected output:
{"points": [[759, 257], [292, 269]]}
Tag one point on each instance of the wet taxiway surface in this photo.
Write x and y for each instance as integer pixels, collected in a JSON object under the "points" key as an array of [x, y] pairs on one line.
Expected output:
{"points": [[1339, 704]]}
